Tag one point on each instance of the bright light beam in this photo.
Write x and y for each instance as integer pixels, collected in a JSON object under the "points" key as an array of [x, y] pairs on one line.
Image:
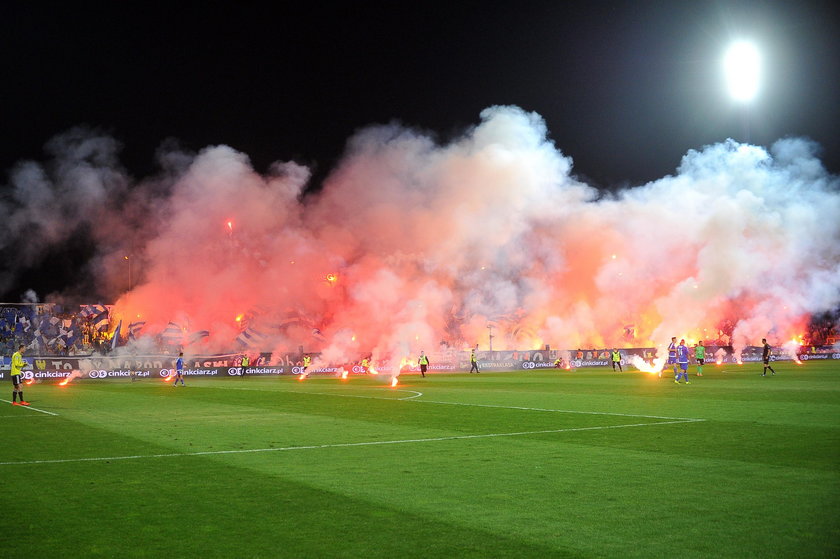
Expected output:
{"points": [[742, 70]]}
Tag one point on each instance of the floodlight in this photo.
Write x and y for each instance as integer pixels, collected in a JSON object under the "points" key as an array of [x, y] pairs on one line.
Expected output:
{"points": [[742, 69]]}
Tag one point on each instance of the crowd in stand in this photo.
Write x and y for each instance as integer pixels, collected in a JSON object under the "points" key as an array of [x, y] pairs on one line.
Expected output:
{"points": [[824, 329], [50, 329], [53, 330]]}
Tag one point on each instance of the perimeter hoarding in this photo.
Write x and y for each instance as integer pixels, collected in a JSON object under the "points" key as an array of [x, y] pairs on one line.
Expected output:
{"points": [[230, 365]]}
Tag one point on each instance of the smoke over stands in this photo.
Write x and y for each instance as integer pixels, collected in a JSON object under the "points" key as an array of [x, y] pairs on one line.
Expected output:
{"points": [[410, 243]]}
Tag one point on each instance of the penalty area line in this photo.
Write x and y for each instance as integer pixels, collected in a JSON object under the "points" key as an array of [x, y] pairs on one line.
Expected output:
{"points": [[343, 445], [31, 408]]}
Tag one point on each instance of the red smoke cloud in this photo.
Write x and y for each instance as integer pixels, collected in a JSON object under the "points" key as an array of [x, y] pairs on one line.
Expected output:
{"points": [[410, 243]]}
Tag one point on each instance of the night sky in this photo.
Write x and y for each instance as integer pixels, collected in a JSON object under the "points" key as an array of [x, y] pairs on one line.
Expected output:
{"points": [[626, 88]]}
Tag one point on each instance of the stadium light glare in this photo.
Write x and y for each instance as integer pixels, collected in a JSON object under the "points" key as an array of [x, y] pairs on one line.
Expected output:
{"points": [[742, 70]]}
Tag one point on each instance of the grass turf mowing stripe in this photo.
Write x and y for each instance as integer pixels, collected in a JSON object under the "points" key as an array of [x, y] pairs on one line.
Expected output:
{"points": [[344, 445]]}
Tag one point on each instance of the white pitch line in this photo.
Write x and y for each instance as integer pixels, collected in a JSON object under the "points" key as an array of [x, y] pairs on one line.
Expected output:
{"points": [[341, 445], [476, 405], [31, 408], [681, 419], [509, 407], [418, 394]]}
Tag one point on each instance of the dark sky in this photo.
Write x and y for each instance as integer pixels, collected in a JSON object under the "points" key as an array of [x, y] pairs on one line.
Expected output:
{"points": [[626, 88]]}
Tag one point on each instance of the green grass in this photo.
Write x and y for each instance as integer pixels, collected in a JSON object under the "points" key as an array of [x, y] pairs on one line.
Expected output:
{"points": [[325, 468]]}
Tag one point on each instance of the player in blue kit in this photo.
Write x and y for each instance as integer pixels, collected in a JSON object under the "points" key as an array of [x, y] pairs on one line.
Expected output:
{"points": [[682, 360], [179, 370], [672, 355]]}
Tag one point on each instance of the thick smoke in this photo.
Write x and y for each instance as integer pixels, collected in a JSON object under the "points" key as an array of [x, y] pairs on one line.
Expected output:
{"points": [[410, 243]]}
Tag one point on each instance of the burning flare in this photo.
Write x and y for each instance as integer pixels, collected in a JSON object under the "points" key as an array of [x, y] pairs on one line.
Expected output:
{"points": [[68, 378], [642, 365], [793, 347]]}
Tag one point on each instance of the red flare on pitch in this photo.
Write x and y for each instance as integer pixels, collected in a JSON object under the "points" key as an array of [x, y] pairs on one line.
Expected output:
{"points": [[68, 378], [393, 382], [302, 376], [343, 374], [30, 381]]}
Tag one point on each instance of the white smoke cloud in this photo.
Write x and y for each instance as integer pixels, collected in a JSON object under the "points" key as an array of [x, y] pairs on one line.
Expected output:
{"points": [[430, 243], [29, 296]]}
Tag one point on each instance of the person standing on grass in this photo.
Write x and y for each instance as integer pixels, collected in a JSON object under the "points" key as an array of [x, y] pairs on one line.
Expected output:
{"points": [[246, 362], [17, 376], [616, 360], [306, 362], [765, 357], [179, 370], [424, 363], [700, 357], [672, 354], [473, 362], [682, 360]]}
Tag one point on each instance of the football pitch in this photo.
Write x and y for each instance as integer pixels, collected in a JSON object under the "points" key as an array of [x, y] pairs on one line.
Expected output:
{"points": [[587, 463]]}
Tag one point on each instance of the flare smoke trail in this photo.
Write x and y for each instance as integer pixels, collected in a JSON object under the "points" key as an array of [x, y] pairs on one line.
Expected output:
{"points": [[411, 242]]}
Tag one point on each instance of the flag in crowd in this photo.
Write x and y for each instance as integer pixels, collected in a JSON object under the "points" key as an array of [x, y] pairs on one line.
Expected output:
{"points": [[134, 329], [116, 338], [250, 337], [98, 315], [172, 334], [197, 336]]}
